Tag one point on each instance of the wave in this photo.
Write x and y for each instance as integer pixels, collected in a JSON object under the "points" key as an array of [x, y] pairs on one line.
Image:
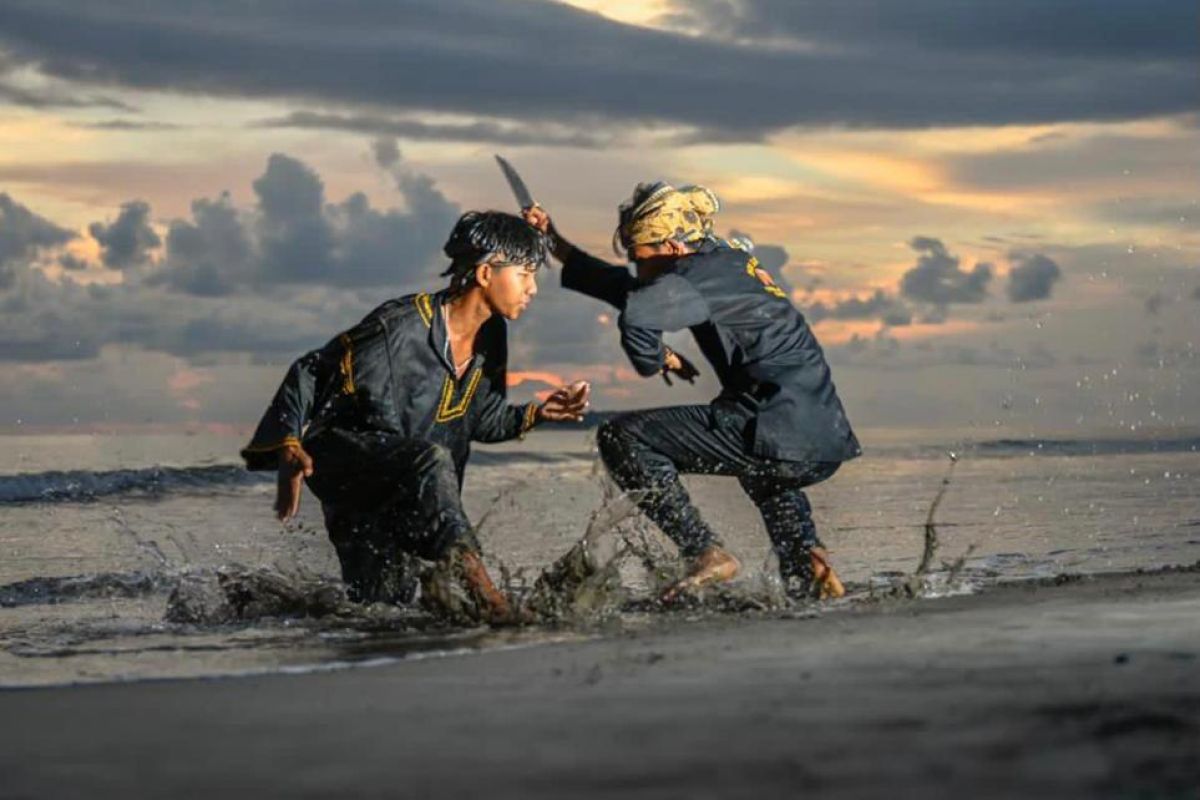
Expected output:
{"points": [[1082, 447], [70, 588], [83, 485], [75, 486]]}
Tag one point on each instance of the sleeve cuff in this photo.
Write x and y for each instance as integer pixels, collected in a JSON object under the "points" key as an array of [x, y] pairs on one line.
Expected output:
{"points": [[257, 456], [528, 419]]}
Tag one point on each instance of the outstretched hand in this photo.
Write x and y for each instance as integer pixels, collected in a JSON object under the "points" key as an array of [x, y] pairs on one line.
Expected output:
{"points": [[567, 403], [294, 466], [680, 366]]}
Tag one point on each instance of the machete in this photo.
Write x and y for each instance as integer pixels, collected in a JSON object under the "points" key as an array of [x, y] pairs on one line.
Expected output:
{"points": [[519, 189]]}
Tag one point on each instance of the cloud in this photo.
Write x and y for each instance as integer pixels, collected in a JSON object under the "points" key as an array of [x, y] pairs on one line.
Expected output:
{"points": [[125, 125], [1068, 29], [43, 98], [321, 264], [22, 235], [1155, 302], [210, 254], [1032, 277], [72, 263], [1138, 163], [880, 305], [1153, 211], [294, 237], [127, 242], [509, 132], [386, 151], [936, 278], [781, 64], [1196, 294]]}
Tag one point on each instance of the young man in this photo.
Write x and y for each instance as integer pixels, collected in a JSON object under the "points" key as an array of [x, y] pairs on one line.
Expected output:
{"points": [[777, 425], [380, 420]]}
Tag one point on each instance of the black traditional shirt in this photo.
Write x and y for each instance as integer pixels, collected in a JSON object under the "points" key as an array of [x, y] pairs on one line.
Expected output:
{"points": [[393, 373], [758, 344]]}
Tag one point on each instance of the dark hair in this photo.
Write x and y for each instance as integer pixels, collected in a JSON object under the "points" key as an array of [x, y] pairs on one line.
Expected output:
{"points": [[479, 236]]}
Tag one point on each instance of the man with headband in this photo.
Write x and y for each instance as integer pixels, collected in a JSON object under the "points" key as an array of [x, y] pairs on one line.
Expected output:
{"points": [[777, 425], [380, 420]]}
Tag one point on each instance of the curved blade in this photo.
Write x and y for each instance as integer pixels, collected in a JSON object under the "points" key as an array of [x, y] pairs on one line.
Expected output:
{"points": [[519, 189]]}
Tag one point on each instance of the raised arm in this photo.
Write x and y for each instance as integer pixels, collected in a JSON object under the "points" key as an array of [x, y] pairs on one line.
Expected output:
{"points": [[581, 272]]}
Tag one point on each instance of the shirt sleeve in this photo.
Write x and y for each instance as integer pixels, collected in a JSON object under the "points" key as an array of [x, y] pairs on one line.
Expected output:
{"points": [[497, 420], [597, 279], [284, 421], [670, 303]]}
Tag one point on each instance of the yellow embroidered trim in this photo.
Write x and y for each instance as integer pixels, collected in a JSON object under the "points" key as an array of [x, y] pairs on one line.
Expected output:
{"points": [[424, 308], [448, 411], [266, 448], [347, 364], [764, 277], [530, 418]]}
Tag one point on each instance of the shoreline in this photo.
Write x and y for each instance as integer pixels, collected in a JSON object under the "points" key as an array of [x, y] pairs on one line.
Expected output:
{"points": [[1079, 686]]}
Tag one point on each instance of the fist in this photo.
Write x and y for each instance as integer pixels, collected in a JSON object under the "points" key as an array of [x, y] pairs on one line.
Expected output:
{"points": [[537, 217]]}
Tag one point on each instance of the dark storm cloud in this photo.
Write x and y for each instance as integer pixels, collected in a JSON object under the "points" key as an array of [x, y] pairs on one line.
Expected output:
{"points": [[1196, 294], [928, 62], [1161, 29], [491, 132], [1032, 277], [22, 234], [937, 279], [126, 242]]}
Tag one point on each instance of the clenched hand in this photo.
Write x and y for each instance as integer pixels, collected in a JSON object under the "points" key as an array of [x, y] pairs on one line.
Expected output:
{"points": [[680, 366]]}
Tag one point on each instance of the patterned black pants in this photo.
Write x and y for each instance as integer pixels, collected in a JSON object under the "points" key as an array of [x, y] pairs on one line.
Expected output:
{"points": [[646, 451]]}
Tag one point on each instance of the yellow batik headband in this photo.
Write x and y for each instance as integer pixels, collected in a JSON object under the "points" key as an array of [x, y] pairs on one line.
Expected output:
{"points": [[658, 212]]}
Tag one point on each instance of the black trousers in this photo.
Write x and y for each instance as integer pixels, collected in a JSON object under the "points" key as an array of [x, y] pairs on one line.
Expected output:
{"points": [[386, 500], [645, 451]]}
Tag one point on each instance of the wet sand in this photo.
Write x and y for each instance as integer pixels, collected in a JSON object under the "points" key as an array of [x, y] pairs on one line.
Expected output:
{"points": [[1087, 688]]}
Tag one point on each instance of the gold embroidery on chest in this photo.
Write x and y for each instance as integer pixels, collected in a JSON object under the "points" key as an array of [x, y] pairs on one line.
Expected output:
{"points": [[425, 308], [448, 410], [347, 365]]}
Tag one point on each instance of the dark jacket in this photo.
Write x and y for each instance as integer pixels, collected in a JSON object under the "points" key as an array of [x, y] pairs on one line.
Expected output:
{"points": [[392, 373], [759, 345]]}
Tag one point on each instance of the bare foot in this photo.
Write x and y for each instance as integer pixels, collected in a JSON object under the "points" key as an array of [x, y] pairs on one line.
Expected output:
{"points": [[713, 565], [825, 583]]}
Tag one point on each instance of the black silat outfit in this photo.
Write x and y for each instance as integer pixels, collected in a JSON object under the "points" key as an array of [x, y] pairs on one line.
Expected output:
{"points": [[389, 427], [777, 425]]}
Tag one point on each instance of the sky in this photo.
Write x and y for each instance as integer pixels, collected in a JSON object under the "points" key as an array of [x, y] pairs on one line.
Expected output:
{"points": [[988, 211]]}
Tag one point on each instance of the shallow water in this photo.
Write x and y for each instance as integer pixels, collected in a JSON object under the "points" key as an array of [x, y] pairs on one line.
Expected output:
{"points": [[97, 532]]}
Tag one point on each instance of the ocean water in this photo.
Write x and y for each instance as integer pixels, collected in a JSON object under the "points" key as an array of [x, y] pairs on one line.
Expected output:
{"points": [[97, 533]]}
